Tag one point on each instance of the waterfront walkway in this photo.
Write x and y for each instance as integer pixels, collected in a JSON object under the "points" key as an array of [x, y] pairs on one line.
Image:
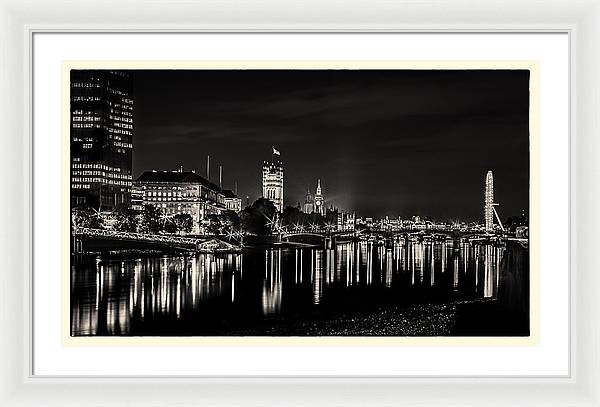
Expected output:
{"points": [[204, 243]]}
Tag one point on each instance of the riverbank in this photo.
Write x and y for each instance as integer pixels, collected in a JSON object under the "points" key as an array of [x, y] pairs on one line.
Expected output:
{"points": [[103, 245], [461, 318]]}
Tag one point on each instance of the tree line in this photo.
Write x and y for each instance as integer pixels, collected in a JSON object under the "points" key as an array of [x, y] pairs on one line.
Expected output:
{"points": [[259, 219]]}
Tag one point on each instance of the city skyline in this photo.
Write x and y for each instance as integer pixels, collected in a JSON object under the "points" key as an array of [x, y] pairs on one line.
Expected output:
{"points": [[382, 142], [161, 246]]}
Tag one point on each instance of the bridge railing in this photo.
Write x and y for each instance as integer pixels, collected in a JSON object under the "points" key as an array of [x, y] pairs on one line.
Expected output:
{"points": [[121, 235]]}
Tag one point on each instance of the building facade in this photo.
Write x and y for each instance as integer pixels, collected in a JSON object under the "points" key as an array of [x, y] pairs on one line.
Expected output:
{"points": [[315, 203], [319, 201], [232, 202], [346, 221], [391, 224], [182, 192], [272, 182], [309, 203], [101, 129], [137, 198]]}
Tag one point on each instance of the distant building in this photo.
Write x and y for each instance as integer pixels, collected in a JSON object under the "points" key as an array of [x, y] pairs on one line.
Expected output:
{"points": [[315, 203], [182, 192], [137, 198], [346, 221], [309, 203], [232, 202], [319, 201], [272, 180], [391, 224], [101, 128]]}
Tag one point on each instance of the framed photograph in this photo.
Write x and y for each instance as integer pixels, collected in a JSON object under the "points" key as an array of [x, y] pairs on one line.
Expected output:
{"points": [[382, 209], [294, 224]]}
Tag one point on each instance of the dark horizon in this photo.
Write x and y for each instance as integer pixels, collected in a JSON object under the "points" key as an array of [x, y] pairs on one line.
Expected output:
{"points": [[383, 142]]}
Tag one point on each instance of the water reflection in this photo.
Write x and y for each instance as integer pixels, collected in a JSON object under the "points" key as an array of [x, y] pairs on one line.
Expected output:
{"points": [[272, 284], [203, 291]]}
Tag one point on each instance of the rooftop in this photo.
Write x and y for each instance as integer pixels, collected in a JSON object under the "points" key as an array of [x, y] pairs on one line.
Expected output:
{"points": [[273, 163], [176, 176], [229, 193]]}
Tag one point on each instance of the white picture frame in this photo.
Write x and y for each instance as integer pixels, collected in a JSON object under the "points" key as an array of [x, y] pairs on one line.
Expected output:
{"points": [[19, 21]]}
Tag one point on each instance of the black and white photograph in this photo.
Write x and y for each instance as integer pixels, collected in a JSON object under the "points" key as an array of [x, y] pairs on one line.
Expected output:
{"points": [[300, 202]]}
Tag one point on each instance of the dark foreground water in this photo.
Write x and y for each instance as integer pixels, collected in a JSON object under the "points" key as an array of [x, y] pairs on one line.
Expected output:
{"points": [[356, 288]]}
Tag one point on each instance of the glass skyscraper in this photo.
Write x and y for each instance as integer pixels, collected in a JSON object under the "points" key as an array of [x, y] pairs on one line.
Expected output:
{"points": [[101, 138]]}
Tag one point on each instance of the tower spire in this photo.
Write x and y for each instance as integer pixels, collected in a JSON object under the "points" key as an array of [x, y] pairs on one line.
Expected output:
{"points": [[319, 204]]}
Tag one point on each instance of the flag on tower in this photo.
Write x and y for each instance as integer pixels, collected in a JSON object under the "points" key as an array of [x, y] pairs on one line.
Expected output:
{"points": [[276, 152]]}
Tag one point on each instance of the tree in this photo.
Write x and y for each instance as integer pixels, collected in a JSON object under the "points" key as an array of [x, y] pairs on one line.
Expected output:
{"points": [[127, 221], [151, 220], [515, 221], [292, 217], [226, 223], [86, 217], [214, 224], [183, 222], [230, 222], [168, 225], [256, 217]]}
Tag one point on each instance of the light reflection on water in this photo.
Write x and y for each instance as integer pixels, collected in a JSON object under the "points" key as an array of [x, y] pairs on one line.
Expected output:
{"points": [[204, 291]]}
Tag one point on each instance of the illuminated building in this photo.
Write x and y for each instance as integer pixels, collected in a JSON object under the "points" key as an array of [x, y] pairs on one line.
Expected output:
{"points": [[391, 225], [137, 198], [272, 181], [316, 203], [309, 203], [182, 192], [232, 202], [101, 129], [319, 207], [488, 206], [346, 221]]}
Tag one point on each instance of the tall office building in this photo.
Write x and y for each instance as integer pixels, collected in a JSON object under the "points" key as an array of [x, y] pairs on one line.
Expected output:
{"points": [[488, 205], [272, 180], [101, 138]]}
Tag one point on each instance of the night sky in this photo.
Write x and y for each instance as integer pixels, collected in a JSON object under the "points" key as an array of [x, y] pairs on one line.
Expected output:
{"points": [[383, 142]]}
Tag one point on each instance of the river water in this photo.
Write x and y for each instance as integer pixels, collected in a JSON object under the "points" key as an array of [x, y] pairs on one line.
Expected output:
{"points": [[251, 292]]}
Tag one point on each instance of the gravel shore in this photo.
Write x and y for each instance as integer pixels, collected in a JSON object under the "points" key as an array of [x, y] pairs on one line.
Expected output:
{"points": [[418, 320]]}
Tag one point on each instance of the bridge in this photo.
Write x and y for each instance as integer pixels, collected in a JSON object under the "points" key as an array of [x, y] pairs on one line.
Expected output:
{"points": [[200, 244], [320, 234], [329, 237]]}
